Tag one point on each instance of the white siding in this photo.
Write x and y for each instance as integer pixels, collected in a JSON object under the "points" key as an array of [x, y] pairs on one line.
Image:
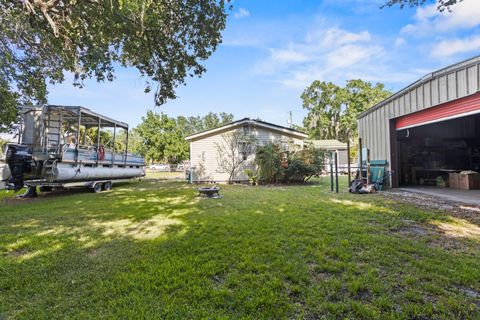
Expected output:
{"points": [[204, 153]]}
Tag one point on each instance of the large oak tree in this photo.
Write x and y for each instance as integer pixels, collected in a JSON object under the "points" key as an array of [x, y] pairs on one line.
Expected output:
{"points": [[41, 40], [333, 110]]}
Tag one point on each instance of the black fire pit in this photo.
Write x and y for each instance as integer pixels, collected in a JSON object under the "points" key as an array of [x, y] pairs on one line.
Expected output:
{"points": [[209, 192]]}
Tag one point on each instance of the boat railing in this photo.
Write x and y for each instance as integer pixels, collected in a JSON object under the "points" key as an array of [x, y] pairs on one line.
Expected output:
{"points": [[89, 154]]}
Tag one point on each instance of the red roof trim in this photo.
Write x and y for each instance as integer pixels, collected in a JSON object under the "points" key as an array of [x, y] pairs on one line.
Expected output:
{"points": [[456, 108]]}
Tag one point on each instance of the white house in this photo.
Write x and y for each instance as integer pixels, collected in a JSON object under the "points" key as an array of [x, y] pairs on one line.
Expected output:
{"points": [[210, 149]]}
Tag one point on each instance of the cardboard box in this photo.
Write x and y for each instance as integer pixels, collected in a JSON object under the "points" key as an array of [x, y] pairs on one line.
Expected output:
{"points": [[464, 181], [453, 180]]}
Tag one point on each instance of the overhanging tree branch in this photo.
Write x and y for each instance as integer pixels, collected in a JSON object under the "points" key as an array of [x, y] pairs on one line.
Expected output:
{"points": [[165, 40]]}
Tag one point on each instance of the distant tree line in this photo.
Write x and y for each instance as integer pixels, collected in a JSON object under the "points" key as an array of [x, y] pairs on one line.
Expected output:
{"points": [[332, 114], [160, 138]]}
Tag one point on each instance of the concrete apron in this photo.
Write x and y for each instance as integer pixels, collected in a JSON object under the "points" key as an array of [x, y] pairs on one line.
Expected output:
{"points": [[471, 197]]}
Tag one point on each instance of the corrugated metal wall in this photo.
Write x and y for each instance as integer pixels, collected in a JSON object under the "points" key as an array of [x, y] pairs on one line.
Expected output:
{"points": [[445, 85]]}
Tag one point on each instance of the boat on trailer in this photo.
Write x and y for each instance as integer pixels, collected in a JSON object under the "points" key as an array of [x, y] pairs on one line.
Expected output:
{"points": [[68, 146]]}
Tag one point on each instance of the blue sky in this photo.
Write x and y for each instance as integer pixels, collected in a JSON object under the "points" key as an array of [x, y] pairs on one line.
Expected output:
{"points": [[272, 50]]}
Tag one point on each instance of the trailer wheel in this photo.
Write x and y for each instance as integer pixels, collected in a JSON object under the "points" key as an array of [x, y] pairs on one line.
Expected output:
{"points": [[107, 186], [97, 188], [46, 189]]}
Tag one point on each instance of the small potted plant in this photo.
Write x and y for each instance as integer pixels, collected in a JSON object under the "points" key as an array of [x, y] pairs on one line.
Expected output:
{"points": [[252, 177]]}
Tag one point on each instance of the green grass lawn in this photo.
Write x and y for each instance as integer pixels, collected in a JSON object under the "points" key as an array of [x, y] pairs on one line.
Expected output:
{"points": [[151, 249], [161, 175]]}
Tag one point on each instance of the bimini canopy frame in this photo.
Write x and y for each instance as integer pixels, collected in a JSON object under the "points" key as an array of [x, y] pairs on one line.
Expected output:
{"points": [[79, 116], [88, 117]]}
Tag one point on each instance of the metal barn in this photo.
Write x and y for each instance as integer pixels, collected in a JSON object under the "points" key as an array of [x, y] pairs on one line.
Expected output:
{"points": [[430, 129]]}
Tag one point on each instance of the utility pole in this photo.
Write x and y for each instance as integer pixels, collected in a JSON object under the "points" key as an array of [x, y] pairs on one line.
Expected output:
{"points": [[290, 119]]}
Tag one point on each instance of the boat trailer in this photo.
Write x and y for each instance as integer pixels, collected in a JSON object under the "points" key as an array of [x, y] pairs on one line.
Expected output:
{"points": [[68, 146]]}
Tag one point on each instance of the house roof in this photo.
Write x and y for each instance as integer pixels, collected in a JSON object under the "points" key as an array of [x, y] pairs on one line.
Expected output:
{"points": [[327, 144], [243, 121]]}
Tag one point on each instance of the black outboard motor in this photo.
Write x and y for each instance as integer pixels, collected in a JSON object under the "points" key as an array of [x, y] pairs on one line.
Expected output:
{"points": [[19, 161]]}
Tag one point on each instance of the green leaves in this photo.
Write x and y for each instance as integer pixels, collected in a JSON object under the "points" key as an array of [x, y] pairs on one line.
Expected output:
{"points": [[166, 41], [268, 158], [276, 164], [333, 110], [162, 138], [8, 110], [442, 4]]}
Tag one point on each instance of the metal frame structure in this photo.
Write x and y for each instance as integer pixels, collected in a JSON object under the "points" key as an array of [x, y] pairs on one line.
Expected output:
{"points": [[54, 150]]}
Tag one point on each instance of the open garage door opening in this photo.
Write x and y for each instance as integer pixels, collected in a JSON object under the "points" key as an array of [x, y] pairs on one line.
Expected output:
{"points": [[431, 154]]}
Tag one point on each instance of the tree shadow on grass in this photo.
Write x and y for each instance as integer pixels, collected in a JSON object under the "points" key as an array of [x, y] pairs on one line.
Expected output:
{"points": [[414, 264], [443, 228], [256, 253], [85, 220], [56, 245]]}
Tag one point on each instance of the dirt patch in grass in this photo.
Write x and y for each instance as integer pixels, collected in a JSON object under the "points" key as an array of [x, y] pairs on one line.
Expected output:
{"points": [[18, 200], [470, 292], [460, 210], [461, 220], [218, 281], [414, 230], [317, 275], [17, 253]]}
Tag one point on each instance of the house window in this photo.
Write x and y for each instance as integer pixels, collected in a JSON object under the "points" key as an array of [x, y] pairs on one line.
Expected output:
{"points": [[246, 129], [245, 150]]}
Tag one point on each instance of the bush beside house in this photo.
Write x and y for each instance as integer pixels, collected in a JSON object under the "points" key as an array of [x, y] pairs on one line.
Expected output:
{"points": [[277, 165]]}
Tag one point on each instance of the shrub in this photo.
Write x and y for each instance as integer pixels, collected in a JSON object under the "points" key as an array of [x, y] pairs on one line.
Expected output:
{"points": [[277, 165], [304, 164], [268, 159], [252, 176]]}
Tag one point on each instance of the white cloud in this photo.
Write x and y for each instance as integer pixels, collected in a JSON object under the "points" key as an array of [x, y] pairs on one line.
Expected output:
{"points": [[242, 41], [400, 42], [448, 48], [349, 55], [329, 54], [289, 55], [241, 13], [337, 37], [428, 20], [337, 44]]}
